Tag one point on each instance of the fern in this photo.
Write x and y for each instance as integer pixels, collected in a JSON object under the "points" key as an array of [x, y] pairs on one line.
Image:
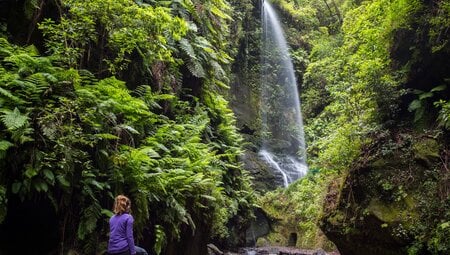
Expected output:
{"points": [[88, 225], [87, 78], [217, 69], [5, 48], [196, 69], [219, 12], [5, 145], [36, 85], [7, 94], [13, 120], [187, 48], [160, 239], [89, 218], [190, 8]]}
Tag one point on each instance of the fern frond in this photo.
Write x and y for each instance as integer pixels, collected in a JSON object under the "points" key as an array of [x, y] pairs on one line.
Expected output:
{"points": [[5, 145], [196, 69], [6, 48], [21, 135], [218, 12], [13, 119], [38, 83], [50, 78], [142, 90], [190, 7], [160, 239], [218, 70], [7, 94], [89, 219], [87, 78], [187, 48]]}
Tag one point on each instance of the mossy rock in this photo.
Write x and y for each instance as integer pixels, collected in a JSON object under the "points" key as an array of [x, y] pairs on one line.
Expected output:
{"points": [[272, 239], [426, 151], [385, 200], [393, 212]]}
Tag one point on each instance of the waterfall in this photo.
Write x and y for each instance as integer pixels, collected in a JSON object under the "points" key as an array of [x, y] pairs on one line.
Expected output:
{"points": [[283, 143]]}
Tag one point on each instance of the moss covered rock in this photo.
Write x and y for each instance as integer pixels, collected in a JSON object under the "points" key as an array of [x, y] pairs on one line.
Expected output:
{"points": [[391, 203], [293, 214]]}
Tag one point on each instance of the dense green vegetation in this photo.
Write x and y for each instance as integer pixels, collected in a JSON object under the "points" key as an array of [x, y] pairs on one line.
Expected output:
{"points": [[122, 97], [105, 97]]}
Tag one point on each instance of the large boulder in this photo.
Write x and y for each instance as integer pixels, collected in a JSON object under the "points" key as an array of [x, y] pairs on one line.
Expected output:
{"points": [[385, 202]]}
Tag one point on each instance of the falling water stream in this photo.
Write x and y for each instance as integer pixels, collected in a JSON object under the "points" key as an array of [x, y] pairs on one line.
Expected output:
{"points": [[283, 144]]}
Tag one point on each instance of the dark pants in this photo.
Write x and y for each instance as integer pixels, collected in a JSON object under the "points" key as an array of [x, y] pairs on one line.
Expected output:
{"points": [[122, 253], [139, 251]]}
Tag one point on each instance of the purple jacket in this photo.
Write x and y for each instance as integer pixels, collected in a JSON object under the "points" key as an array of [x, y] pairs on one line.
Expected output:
{"points": [[121, 234]]}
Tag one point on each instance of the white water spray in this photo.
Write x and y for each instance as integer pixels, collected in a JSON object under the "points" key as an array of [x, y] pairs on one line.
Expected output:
{"points": [[269, 157]]}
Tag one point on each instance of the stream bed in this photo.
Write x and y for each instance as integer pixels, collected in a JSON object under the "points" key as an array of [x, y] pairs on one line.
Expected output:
{"points": [[278, 250]]}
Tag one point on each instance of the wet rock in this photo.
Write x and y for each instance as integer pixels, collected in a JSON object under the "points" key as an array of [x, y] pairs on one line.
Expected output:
{"points": [[213, 250], [278, 250], [263, 178], [260, 226], [319, 252]]}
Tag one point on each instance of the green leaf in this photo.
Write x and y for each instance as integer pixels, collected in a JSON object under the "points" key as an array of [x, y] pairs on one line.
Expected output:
{"points": [[414, 105], [425, 95], [439, 88], [196, 68], [445, 225], [162, 147], [15, 188], [40, 185], [211, 198], [89, 218], [150, 152], [49, 175], [187, 48], [418, 91], [160, 238], [10, 96], [419, 114], [31, 172], [62, 180], [96, 184], [5, 145], [106, 136], [129, 129], [107, 213]]}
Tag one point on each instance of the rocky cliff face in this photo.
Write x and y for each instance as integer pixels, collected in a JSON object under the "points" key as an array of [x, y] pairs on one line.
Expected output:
{"points": [[395, 201]]}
